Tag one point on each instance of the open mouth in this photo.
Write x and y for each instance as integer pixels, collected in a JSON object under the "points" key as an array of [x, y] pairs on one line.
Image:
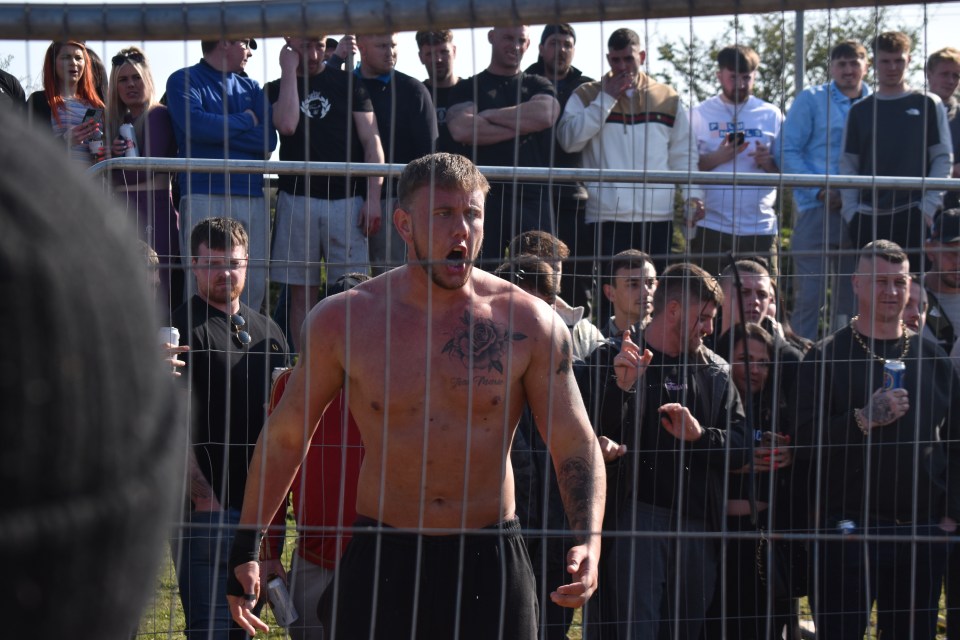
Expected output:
{"points": [[457, 256]]}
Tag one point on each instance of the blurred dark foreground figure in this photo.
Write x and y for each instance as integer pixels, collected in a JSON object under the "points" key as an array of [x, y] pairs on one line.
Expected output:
{"points": [[88, 459]]}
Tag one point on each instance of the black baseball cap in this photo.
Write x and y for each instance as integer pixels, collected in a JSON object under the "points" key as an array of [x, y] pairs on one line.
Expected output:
{"points": [[946, 227]]}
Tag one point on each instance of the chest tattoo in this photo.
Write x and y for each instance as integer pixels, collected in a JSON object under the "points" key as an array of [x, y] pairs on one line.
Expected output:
{"points": [[480, 344]]}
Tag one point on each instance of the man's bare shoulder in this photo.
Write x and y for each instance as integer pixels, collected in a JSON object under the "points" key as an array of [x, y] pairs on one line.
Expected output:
{"points": [[366, 302], [503, 296]]}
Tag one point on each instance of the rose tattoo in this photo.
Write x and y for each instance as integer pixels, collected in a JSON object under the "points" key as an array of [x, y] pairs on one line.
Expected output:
{"points": [[482, 342]]}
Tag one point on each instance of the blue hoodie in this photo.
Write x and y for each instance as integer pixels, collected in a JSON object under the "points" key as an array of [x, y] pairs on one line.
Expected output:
{"points": [[207, 108], [812, 136]]}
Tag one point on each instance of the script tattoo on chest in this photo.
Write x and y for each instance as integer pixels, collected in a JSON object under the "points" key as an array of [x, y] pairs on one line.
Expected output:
{"points": [[480, 343]]}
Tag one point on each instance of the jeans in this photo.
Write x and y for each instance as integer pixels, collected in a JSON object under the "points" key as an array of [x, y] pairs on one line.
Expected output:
{"points": [[817, 239], [853, 574], [642, 575], [201, 551]]}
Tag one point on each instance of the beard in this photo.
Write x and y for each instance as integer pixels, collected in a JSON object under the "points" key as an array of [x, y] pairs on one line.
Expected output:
{"points": [[223, 295], [433, 269]]}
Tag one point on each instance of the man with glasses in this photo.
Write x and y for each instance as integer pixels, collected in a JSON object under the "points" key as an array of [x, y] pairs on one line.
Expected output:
{"points": [[233, 350], [220, 113]]}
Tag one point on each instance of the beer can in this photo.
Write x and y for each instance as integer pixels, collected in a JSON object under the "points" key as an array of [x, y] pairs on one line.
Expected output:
{"points": [[169, 335], [893, 371], [280, 601], [126, 132]]}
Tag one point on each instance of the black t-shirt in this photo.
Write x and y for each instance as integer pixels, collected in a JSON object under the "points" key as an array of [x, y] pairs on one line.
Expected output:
{"points": [[879, 473], [442, 99], [327, 105], [230, 387], [405, 117], [892, 138], [565, 88], [497, 92], [11, 93]]}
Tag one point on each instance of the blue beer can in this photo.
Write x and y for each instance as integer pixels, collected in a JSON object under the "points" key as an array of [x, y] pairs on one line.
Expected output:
{"points": [[893, 371]]}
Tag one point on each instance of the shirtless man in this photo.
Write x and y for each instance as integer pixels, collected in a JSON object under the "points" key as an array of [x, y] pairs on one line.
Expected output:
{"points": [[438, 360]]}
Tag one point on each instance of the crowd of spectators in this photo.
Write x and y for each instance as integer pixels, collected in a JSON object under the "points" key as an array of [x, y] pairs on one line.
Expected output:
{"points": [[716, 411]]}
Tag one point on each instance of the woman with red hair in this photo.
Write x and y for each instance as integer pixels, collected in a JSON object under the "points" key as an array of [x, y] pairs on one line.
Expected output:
{"points": [[69, 103]]}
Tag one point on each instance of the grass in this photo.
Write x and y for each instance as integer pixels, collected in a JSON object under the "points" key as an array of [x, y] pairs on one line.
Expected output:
{"points": [[164, 615]]}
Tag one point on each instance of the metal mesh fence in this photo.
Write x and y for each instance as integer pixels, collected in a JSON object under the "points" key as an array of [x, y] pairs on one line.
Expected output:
{"points": [[765, 470]]}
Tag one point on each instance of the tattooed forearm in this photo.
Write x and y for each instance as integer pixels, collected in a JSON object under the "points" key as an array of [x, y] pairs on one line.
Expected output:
{"points": [[578, 490], [879, 411], [564, 358]]}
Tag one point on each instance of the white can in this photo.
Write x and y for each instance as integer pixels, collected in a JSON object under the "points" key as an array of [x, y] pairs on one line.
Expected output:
{"points": [[169, 335], [126, 132]]}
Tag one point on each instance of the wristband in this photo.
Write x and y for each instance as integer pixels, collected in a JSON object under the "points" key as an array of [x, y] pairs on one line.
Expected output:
{"points": [[246, 548]]}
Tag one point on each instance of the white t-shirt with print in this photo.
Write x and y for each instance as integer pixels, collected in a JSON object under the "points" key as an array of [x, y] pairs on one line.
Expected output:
{"points": [[743, 210]]}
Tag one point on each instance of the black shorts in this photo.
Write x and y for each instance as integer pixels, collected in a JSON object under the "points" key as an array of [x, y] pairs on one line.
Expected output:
{"points": [[480, 583]]}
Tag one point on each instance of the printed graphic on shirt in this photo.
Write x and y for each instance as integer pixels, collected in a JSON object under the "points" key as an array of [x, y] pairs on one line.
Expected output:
{"points": [[723, 129], [315, 104]]}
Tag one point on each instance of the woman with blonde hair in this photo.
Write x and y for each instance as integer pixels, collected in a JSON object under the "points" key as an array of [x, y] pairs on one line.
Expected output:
{"points": [[132, 100], [69, 104]]}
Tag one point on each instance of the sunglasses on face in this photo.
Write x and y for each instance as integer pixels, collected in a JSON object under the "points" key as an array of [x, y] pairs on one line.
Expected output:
{"points": [[239, 333], [121, 58]]}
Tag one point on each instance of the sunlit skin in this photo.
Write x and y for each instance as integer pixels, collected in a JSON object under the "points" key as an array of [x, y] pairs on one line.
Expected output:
{"points": [[631, 294], [882, 289], [944, 79], [221, 276], [447, 233], [736, 87], [235, 55], [557, 53], [433, 437], [131, 89], [311, 52], [625, 65], [378, 54], [847, 74], [438, 59], [757, 294], [69, 68], [890, 68], [697, 325], [508, 44]]}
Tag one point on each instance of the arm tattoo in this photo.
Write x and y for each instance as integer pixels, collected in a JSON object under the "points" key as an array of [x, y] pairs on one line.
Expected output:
{"points": [[565, 358], [481, 343], [577, 484]]}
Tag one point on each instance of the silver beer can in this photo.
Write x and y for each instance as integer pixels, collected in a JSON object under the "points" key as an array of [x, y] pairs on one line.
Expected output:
{"points": [[126, 132], [280, 601]]}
